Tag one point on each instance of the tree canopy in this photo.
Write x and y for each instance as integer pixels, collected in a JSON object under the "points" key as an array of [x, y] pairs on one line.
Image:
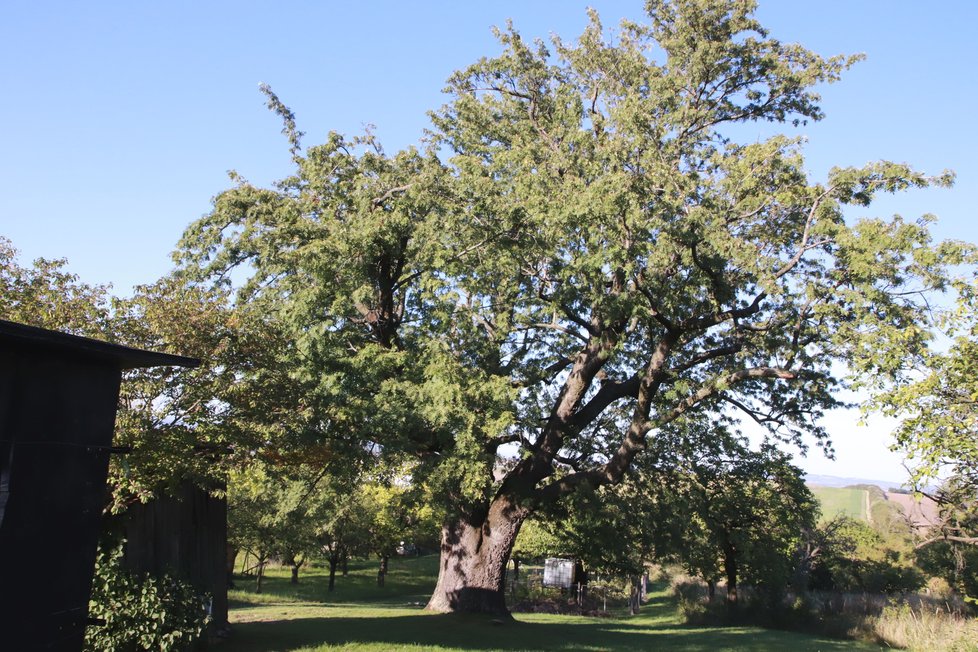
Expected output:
{"points": [[581, 253]]}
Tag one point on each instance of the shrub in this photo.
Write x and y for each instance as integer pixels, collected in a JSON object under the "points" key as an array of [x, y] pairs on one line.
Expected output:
{"points": [[939, 588], [141, 613]]}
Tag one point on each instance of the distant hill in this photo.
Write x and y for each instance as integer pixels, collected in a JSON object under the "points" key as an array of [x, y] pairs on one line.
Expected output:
{"points": [[813, 479]]}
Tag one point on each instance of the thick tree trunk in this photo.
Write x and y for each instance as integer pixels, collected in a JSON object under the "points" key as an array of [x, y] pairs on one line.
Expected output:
{"points": [[730, 569], [295, 571], [472, 568]]}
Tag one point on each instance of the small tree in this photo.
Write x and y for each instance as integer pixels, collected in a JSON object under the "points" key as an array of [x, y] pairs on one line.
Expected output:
{"points": [[251, 517], [388, 517], [744, 517]]}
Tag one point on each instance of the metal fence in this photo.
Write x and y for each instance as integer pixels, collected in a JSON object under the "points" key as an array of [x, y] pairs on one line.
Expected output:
{"points": [[527, 590]]}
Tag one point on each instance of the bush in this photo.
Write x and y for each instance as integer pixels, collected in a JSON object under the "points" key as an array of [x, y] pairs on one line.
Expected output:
{"points": [[940, 588], [915, 622], [145, 613]]}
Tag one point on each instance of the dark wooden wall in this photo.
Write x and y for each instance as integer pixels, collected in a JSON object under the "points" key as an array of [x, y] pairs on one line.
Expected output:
{"points": [[58, 395], [56, 418], [184, 534]]}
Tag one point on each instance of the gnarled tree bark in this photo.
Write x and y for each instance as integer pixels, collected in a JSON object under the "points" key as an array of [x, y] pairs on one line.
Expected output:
{"points": [[474, 552]]}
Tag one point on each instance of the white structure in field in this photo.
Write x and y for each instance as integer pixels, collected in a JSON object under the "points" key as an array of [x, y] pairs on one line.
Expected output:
{"points": [[558, 573]]}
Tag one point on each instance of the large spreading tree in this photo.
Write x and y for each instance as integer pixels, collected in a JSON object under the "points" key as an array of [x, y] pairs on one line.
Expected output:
{"points": [[582, 253]]}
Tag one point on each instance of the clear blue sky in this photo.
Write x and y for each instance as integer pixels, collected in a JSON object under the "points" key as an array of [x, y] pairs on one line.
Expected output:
{"points": [[122, 118]]}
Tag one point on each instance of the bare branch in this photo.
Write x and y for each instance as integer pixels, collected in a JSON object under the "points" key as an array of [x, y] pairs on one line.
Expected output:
{"points": [[557, 327], [706, 356], [700, 323], [377, 201], [804, 246], [947, 537]]}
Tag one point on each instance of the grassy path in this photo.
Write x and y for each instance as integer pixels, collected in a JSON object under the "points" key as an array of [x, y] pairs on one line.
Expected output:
{"points": [[358, 616]]}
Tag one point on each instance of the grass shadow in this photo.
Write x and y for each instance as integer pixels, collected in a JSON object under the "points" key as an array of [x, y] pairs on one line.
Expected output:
{"points": [[479, 633], [358, 615]]}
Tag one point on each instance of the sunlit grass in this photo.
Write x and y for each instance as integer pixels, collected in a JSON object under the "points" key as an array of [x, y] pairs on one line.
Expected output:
{"points": [[836, 500]]}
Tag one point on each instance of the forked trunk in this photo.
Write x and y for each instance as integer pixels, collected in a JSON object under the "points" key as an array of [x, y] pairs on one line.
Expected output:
{"points": [[472, 568]]}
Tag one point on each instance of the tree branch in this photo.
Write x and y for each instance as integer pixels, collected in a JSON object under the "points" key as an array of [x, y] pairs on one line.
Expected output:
{"points": [[608, 394], [377, 201], [634, 440], [973, 541]]}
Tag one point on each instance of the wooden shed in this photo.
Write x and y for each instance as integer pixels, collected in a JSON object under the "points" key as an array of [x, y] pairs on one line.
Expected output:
{"points": [[58, 399]]}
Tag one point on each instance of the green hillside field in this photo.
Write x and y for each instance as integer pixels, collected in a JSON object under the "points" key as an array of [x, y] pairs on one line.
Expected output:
{"points": [[836, 500]]}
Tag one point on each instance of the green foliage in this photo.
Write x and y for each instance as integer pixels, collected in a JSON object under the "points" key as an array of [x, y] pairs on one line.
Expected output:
{"points": [[939, 421], [144, 613], [758, 506], [294, 513], [47, 296], [957, 564], [609, 529], [183, 424], [255, 520], [304, 511], [938, 431], [593, 216], [582, 256], [854, 556], [394, 513], [535, 542]]}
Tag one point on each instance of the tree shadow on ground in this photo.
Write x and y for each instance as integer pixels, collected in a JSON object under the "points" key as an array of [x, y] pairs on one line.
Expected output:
{"points": [[361, 616], [481, 633]]}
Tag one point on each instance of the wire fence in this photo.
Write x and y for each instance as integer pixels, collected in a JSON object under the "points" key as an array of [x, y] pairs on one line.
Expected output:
{"points": [[527, 590]]}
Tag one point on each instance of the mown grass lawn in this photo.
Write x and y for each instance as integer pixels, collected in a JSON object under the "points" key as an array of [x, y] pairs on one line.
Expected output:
{"points": [[360, 616]]}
